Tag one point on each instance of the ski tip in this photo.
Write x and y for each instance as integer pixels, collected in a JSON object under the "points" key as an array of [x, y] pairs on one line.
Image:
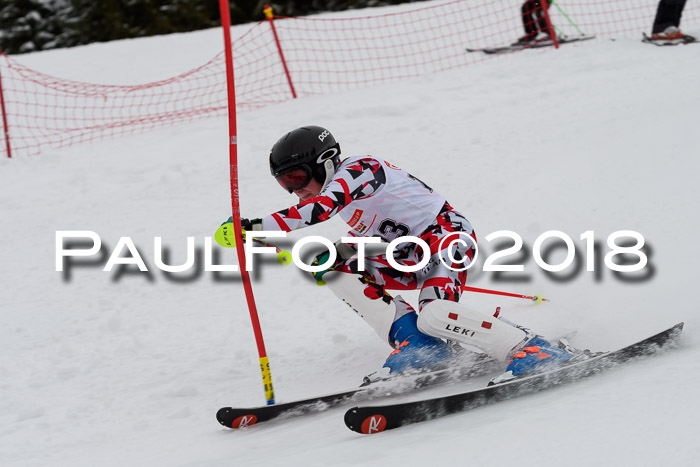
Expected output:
{"points": [[674, 330], [225, 416], [350, 417], [366, 425]]}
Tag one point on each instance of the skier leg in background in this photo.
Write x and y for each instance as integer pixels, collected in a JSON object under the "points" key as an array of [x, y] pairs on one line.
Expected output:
{"points": [[667, 21], [534, 22], [378, 199]]}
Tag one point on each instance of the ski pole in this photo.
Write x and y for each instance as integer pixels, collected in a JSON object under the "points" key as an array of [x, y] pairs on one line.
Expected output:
{"points": [[567, 17], [534, 298], [284, 257]]}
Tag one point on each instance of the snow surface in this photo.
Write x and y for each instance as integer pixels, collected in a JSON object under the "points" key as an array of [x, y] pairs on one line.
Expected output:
{"points": [[109, 369]]}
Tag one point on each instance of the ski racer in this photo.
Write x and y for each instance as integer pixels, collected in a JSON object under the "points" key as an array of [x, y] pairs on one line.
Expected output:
{"points": [[534, 22], [376, 198]]}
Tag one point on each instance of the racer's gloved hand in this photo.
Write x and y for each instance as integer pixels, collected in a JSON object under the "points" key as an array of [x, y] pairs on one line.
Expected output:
{"points": [[343, 252], [225, 235], [250, 224]]}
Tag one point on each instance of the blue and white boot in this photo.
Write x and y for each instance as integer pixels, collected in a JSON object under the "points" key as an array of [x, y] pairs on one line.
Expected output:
{"points": [[536, 356], [414, 350]]}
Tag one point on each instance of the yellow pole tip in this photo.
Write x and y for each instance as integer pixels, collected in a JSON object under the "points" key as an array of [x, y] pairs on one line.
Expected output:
{"points": [[284, 258]]}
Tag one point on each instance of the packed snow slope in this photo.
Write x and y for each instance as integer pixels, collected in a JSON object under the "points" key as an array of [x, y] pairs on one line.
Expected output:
{"points": [[128, 368]]}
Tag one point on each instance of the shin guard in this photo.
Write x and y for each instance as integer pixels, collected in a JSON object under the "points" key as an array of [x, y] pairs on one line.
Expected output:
{"points": [[378, 313], [452, 321]]}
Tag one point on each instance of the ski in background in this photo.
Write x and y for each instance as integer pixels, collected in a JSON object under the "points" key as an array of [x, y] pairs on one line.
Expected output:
{"points": [[532, 45]]}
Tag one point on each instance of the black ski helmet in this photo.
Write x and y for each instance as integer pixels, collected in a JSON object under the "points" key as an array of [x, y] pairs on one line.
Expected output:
{"points": [[310, 148]]}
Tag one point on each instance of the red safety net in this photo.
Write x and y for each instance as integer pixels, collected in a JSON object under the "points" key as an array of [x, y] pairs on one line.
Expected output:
{"points": [[323, 55]]}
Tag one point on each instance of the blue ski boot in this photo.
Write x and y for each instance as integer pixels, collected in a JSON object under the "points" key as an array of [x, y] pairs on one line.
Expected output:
{"points": [[536, 356], [414, 350]]}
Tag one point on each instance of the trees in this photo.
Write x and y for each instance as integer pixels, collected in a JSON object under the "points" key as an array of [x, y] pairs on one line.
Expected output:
{"points": [[32, 25]]}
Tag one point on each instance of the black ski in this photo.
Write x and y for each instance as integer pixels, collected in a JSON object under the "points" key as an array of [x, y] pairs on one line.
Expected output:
{"points": [[663, 43], [532, 45], [368, 420], [232, 417]]}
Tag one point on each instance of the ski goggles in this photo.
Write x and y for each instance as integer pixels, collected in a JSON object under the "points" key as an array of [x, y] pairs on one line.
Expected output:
{"points": [[295, 178]]}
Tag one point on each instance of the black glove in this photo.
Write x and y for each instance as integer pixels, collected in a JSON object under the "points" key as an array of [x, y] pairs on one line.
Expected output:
{"points": [[250, 224]]}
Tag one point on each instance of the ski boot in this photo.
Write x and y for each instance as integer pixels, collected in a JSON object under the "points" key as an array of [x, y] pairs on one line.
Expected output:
{"points": [[671, 33], [536, 356], [526, 39], [414, 350]]}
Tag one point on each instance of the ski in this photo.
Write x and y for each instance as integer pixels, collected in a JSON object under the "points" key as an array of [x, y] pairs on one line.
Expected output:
{"points": [[663, 43], [535, 45], [232, 417], [374, 419]]}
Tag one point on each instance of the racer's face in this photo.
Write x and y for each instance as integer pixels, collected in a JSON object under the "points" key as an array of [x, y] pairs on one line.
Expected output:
{"points": [[313, 188]]}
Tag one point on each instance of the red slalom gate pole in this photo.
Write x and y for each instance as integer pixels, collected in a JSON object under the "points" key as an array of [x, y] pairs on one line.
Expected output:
{"points": [[235, 206], [270, 18], [534, 298], [4, 119], [550, 29]]}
